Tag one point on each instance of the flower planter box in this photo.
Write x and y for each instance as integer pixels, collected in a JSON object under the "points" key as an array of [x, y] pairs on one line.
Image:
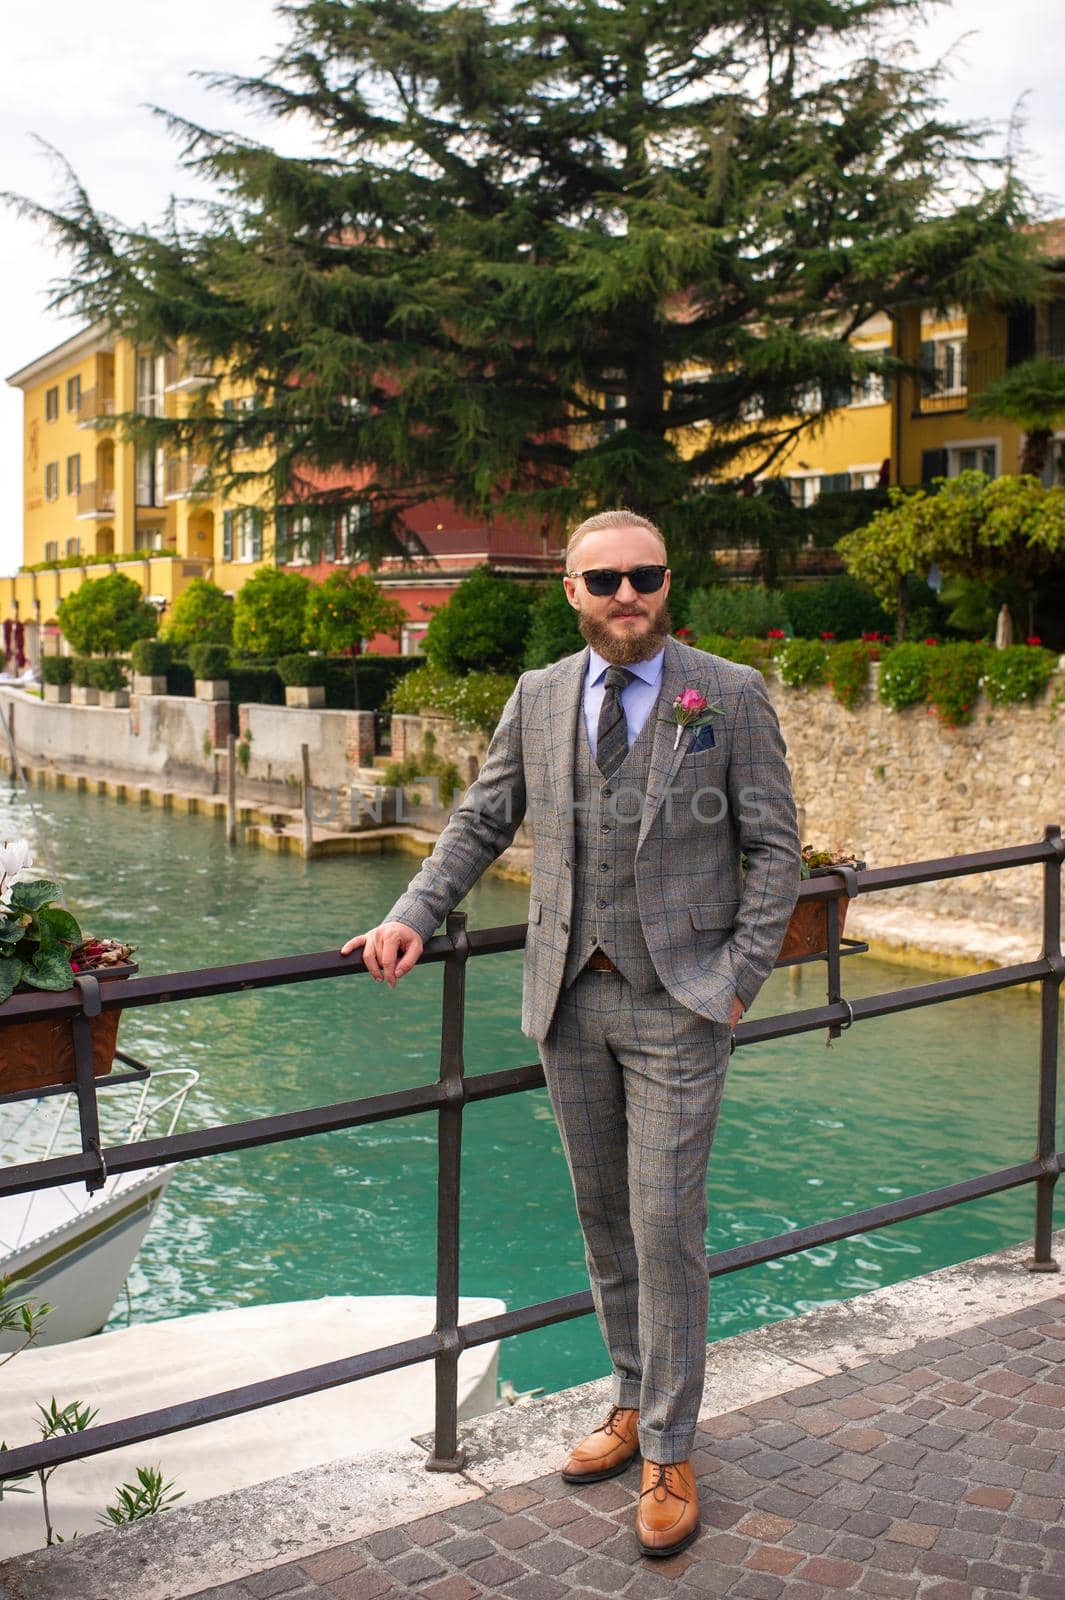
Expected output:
{"points": [[84, 695], [115, 698], [36, 1055], [807, 932], [58, 693], [212, 688], [143, 684], [305, 697]]}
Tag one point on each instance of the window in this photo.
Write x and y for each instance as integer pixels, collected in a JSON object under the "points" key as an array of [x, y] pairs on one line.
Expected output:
{"points": [[837, 394], [972, 458], [295, 542], [1054, 467], [412, 635], [151, 476], [871, 390], [151, 381], [944, 366], [73, 393], [51, 404], [242, 534], [809, 398], [148, 538], [835, 483], [352, 526], [51, 480], [865, 477], [804, 490], [73, 547], [73, 474], [51, 550], [751, 409]]}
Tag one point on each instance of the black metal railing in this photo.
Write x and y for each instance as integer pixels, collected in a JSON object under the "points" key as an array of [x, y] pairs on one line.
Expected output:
{"points": [[449, 1096]]}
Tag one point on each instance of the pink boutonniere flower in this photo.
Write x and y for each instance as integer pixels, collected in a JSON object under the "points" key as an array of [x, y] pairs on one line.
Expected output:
{"points": [[692, 710]]}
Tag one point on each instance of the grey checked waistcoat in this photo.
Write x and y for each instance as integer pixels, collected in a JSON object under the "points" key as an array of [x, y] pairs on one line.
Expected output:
{"points": [[607, 816]]}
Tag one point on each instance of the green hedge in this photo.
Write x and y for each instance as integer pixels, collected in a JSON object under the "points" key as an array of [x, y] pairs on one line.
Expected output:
{"points": [[150, 657], [209, 661], [302, 671], [948, 677], [476, 699]]}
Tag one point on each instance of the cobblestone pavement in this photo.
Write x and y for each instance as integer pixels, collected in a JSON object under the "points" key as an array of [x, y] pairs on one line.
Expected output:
{"points": [[936, 1472]]}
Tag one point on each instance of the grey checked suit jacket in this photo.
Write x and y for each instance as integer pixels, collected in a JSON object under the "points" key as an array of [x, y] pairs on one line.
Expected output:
{"points": [[712, 930]]}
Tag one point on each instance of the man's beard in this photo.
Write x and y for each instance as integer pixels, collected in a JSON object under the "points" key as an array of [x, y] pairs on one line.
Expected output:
{"points": [[621, 650]]}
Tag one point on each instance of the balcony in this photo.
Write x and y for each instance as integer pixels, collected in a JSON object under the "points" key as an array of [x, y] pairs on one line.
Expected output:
{"points": [[183, 478], [182, 372], [94, 405], [977, 370], [94, 500]]}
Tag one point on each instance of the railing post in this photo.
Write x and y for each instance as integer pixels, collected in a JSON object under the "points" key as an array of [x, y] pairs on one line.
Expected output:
{"points": [[1049, 991], [447, 1455]]}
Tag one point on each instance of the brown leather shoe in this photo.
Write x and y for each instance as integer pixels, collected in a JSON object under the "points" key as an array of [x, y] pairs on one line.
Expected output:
{"points": [[607, 1450], [667, 1512]]}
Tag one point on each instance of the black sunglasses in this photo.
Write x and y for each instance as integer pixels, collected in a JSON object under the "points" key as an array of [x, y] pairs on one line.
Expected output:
{"points": [[604, 580]]}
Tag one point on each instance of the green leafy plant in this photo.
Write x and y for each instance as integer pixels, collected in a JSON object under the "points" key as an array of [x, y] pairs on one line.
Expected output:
{"points": [[106, 615], [954, 675], [483, 627], [141, 1499], [347, 608], [839, 605], [150, 657], [269, 613], [107, 675], [741, 610], [57, 669], [475, 700], [425, 764], [41, 944], [301, 671], [553, 630], [904, 673], [202, 614], [1020, 672], [244, 755], [209, 661], [803, 663], [847, 674], [748, 652]]}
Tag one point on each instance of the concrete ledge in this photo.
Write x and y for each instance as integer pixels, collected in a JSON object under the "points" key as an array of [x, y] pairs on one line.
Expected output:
{"points": [[184, 1551]]}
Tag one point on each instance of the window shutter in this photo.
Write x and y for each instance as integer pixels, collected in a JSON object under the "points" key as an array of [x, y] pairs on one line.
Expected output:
{"points": [[835, 482], [256, 534], [227, 536], [282, 550], [928, 366], [1020, 336], [933, 465]]}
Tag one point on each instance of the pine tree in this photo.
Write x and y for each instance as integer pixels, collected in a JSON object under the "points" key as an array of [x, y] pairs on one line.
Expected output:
{"points": [[555, 255]]}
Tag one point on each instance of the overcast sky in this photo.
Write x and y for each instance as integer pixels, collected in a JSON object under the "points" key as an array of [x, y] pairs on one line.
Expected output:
{"points": [[80, 77]]}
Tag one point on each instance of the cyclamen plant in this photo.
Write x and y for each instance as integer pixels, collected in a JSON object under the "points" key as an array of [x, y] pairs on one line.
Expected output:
{"points": [[41, 943]]}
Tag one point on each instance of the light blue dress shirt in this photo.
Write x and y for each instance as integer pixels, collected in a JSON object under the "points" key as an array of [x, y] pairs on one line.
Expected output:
{"points": [[637, 698]]}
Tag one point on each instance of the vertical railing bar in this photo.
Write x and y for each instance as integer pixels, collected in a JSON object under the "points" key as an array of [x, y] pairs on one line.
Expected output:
{"points": [[85, 1078], [833, 958], [447, 1455], [1049, 994]]}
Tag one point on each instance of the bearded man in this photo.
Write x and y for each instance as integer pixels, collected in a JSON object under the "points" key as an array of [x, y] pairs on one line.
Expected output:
{"points": [[644, 769]]}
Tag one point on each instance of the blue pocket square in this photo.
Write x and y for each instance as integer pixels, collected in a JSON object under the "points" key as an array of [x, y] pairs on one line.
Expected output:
{"points": [[703, 739]]}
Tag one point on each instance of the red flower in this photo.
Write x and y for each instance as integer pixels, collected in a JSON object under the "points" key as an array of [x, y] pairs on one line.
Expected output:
{"points": [[776, 633], [684, 633], [1033, 639], [931, 641], [829, 635]]}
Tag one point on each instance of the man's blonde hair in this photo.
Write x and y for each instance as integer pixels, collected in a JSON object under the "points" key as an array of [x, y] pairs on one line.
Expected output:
{"points": [[609, 519]]}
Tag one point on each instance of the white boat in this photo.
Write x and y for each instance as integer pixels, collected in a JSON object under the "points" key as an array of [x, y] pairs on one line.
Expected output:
{"points": [[157, 1364], [64, 1246]]}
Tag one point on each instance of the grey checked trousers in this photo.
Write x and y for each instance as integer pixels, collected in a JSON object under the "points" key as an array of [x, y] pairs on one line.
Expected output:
{"points": [[635, 1080]]}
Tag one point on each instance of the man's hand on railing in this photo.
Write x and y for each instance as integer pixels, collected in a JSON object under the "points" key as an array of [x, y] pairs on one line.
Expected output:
{"points": [[389, 950]]}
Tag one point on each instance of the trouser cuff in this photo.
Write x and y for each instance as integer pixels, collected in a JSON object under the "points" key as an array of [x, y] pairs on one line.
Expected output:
{"points": [[667, 1446], [625, 1392]]}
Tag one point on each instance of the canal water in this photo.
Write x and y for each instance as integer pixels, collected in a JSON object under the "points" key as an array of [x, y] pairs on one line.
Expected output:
{"points": [[806, 1132]]}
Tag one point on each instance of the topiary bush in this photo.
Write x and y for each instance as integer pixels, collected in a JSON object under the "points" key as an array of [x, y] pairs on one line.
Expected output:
{"points": [[107, 675], [269, 614], [202, 614], [150, 657], [302, 671], [57, 669], [803, 662], [81, 672], [483, 627], [209, 661]]}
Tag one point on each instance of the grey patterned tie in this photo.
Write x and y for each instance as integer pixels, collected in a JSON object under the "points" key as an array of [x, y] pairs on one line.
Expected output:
{"points": [[612, 735]]}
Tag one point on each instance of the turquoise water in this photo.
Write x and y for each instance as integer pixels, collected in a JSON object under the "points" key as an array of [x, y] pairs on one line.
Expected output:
{"points": [[806, 1132]]}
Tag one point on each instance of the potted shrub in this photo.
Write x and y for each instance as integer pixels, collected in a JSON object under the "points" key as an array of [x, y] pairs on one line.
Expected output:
{"points": [[302, 676], [150, 659], [56, 674], [43, 947], [210, 668], [83, 689], [109, 678], [807, 932]]}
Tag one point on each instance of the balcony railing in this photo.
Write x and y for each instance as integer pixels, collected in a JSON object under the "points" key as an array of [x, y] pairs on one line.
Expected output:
{"points": [[980, 368], [453, 1091], [95, 404], [181, 372], [183, 478], [94, 500]]}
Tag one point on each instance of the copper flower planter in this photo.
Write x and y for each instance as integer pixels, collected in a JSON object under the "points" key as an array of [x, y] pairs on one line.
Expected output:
{"points": [[37, 1055]]}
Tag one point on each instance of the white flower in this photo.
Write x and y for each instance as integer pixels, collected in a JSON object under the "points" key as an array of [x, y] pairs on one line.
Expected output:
{"points": [[15, 857]]}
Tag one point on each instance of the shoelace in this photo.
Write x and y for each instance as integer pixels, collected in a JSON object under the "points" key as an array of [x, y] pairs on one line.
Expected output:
{"points": [[662, 1482], [608, 1425]]}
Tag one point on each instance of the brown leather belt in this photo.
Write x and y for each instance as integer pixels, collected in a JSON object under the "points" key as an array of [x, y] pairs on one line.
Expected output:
{"points": [[599, 961]]}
